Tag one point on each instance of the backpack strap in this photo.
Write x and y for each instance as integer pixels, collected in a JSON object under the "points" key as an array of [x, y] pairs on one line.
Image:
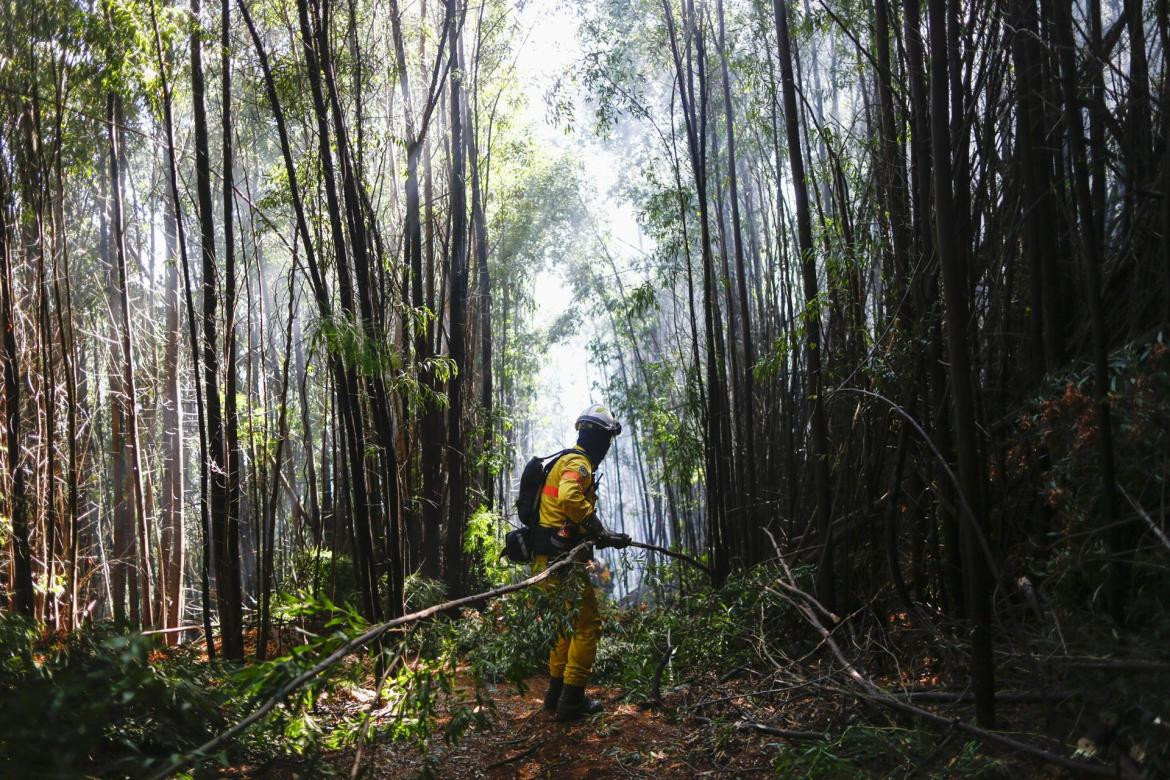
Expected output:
{"points": [[552, 491]]}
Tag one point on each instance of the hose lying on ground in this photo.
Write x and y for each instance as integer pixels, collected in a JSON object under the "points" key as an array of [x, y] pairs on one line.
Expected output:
{"points": [[674, 554]]}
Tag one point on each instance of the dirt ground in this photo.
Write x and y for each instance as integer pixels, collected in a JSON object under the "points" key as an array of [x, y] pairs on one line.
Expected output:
{"points": [[526, 742]]}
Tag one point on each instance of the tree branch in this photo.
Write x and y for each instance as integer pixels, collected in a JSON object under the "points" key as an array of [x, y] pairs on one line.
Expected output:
{"points": [[184, 760]]}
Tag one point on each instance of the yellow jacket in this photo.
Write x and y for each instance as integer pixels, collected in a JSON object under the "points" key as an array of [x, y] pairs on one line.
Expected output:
{"points": [[569, 492]]}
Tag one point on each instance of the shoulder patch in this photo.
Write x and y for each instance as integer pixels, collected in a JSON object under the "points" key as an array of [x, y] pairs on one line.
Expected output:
{"points": [[584, 472]]}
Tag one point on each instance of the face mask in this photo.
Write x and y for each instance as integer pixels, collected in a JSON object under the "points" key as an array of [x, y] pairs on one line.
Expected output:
{"points": [[596, 447]]}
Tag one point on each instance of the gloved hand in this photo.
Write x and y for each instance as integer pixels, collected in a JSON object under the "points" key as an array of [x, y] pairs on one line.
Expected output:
{"points": [[593, 527], [616, 541]]}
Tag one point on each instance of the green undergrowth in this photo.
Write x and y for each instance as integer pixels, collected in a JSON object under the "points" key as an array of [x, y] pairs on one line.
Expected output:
{"points": [[694, 631], [101, 702], [867, 751], [1054, 450], [108, 703]]}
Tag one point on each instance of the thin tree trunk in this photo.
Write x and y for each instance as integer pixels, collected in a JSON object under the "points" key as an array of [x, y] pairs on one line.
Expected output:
{"points": [[231, 629], [173, 546], [814, 387], [16, 503], [752, 539], [228, 574], [962, 380], [193, 334], [484, 290], [141, 521], [1090, 246], [456, 444]]}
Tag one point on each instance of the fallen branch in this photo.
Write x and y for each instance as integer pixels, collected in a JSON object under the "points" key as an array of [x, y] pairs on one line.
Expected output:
{"points": [[872, 693], [517, 757], [1004, 697], [349, 648], [656, 686], [764, 728], [1146, 516], [1093, 662]]}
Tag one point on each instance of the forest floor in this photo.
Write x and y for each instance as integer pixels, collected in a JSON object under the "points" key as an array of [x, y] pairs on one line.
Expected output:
{"points": [[524, 741], [518, 739]]}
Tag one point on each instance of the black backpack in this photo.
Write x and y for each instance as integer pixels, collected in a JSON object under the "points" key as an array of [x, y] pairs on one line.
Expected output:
{"points": [[532, 481], [520, 544]]}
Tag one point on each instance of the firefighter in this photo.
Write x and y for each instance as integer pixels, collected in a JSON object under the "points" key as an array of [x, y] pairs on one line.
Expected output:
{"points": [[568, 515]]}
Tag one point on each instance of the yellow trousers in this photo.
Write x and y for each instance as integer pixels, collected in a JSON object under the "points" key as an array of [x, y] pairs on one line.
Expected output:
{"points": [[572, 658]]}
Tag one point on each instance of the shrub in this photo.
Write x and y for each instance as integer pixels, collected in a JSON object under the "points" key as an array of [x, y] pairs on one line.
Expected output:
{"points": [[99, 702]]}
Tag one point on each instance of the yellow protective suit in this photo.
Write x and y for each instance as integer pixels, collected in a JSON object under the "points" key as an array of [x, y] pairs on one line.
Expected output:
{"points": [[569, 497]]}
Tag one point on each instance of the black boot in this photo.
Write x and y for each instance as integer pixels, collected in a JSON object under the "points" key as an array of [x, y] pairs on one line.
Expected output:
{"points": [[573, 704], [553, 694]]}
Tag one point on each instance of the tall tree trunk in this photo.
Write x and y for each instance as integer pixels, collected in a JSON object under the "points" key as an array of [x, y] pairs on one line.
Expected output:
{"points": [[63, 303], [484, 291], [814, 386], [924, 300], [752, 538], [893, 171], [269, 532], [955, 288], [193, 336], [231, 628], [456, 444], [385, 521], [15, 504], [1039, 213], [716, 425], [431, 428], [117, 235], [228, 574], [1090, 246], [173, 545], [414, 265]]}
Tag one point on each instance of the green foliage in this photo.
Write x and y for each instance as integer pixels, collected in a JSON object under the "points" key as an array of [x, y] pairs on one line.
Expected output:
{"points": [[483, 543], [418, 393], [423, 592], [1057, 447], [349, 342], [488, 439], [615, 71], [410, 699], [99, 702], [512, 637], [709, 631], [320, 570], [868, 751], [294, 729]]}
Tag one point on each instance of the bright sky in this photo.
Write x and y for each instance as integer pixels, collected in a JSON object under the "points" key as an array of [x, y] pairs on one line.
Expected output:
{"points": [[552, 47]]}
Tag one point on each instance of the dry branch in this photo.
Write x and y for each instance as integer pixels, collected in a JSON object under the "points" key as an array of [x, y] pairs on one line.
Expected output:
{"points": [[808, 606], [349, 648], [958, 697], [521, 755], [1094, 662], [764, 728]]}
